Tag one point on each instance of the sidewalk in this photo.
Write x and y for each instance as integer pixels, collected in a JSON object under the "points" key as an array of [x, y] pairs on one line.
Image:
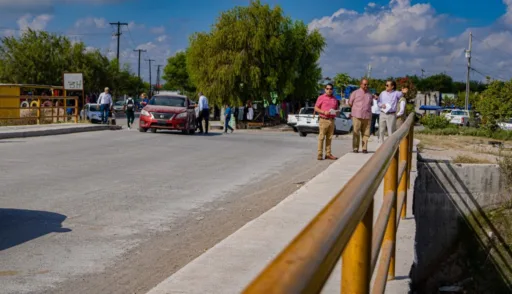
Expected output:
{"points": [[234, 262], [12, 132]]}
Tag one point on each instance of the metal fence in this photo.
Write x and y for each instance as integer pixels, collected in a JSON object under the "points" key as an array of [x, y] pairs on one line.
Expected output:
{"points": [[23, 110], [344, 228]]}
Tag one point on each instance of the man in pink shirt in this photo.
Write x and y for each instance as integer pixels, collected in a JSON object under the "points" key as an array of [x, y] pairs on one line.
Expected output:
{"points": [[361, 101], [327, 108]]}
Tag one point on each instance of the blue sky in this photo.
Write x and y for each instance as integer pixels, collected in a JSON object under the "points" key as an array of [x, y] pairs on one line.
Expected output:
{"points": [[396, 37]]}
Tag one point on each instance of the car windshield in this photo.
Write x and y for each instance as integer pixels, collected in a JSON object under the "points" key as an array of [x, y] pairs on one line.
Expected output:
{"points": [[308, 110], [94, 108], [458, 113], [346, 109], [119, 102], [168, 101]]}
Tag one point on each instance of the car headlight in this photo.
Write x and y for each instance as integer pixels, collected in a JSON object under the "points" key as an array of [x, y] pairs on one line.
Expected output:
{"points": [[182, 115], [146, 113]]}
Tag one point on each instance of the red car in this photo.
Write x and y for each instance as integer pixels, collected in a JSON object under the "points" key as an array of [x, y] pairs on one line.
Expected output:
{"points": [[168, 112]]}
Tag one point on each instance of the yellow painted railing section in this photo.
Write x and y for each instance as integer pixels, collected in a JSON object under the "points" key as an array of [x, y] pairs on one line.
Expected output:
{"points": [[344, 228]]}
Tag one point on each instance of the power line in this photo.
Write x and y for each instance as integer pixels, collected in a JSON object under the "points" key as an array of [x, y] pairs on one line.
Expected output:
{"points": [[158, 75], [150, 85], [118, 34], [140, 51], [468, 56]]}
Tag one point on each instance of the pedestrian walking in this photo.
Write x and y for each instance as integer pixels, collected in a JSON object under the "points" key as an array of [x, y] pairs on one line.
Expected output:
{"points": [[105, 102], [375, 116], [327, 107], [361, 101], [387, 102], [227, 118], [129, 108], [401, 111], [204, 111]]}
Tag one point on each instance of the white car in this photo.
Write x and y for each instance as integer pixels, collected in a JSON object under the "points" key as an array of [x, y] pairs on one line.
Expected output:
{"points": [[459, 117], [308, 124], [506, 125]]}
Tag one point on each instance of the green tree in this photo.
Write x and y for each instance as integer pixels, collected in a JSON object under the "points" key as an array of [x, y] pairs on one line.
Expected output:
{"points": [[252, 52], [341, 80], [41, 58], [439, 82], [495, 103], [176, 74]]}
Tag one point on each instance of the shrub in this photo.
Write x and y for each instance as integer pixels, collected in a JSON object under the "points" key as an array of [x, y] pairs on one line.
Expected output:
{"points": [[498, 134], [505, 163], [435, 122]]}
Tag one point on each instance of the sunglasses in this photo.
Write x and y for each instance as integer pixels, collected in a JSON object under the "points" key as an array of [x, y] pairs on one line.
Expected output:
{"points": [[328, 89]]}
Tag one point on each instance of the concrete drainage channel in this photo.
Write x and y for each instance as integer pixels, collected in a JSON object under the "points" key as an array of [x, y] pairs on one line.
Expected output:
{"points": [[460, 246]]}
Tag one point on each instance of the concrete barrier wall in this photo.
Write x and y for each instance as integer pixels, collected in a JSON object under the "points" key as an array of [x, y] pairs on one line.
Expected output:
{"points": [[447, 196]]}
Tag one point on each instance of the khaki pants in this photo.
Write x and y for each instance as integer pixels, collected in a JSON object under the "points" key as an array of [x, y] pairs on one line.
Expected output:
{"points": [[400, 121], [326, 130], [361, 127], [386, 122]]}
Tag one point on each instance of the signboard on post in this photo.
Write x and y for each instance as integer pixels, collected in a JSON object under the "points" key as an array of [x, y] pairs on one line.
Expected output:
{"points": [[73, 81]]}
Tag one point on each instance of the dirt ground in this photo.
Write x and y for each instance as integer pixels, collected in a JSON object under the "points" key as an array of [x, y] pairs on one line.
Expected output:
{"points": [[462, 149], [163, 254]]}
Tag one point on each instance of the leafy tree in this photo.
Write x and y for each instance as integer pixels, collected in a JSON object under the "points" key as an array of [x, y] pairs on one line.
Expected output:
{"points": [[341, 80], [495, 103], [39, 57], [439, 82], [407, 82], [252, 52], [176, 74]]}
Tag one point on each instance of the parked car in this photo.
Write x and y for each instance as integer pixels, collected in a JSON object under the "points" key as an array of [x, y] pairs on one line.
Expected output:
{"points": [[92, 113], [168, 112], [506, 125], [308, 124], [459, 117], [118, 106], [292, 118]]}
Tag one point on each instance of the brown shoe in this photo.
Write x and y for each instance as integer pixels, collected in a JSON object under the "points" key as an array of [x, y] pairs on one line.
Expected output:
{"points": [[365, 151], [355, 151], [331, 157], [319, 158]]}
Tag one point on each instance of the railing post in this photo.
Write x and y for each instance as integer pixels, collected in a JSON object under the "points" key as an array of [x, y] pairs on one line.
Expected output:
{"points": [[402, 188], [409, 161], [356, 258], [390, 190]]}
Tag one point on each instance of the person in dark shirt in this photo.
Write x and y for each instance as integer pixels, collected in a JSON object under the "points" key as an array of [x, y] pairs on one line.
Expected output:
{"points": [[227, 118]]}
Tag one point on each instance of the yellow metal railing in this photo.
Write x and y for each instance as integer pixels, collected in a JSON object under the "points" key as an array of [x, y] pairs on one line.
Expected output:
{"points": [[38, 109], [344, 228]]}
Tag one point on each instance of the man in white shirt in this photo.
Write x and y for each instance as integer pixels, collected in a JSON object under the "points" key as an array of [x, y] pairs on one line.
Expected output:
{"points": [[105, 102], [375, 115], [204, 113]]}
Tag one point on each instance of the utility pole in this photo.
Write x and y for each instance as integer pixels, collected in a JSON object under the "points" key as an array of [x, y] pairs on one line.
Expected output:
{"points": [[140, 51], [422, 73], [158, 75], [369, 71], [118, 35], [468, 56], [150, 85]]}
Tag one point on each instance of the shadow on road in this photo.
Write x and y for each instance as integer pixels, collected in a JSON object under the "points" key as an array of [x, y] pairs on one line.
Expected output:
{"points": [[18, 226]]}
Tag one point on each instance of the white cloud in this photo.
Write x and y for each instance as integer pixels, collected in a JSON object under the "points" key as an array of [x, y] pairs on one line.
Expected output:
{"points": [[134, 25], [401, 38], [161, 38], [99, 23], [37, 23]]}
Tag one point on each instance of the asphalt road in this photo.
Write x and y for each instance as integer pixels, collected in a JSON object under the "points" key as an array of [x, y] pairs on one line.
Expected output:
{"points": [[119, 211]]}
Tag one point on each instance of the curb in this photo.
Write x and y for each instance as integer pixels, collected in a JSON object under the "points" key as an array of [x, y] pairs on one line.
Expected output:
{"points": [[62, 131]]}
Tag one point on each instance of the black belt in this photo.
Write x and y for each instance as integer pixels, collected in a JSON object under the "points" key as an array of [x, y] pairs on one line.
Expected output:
{"points": [[327, 118]]}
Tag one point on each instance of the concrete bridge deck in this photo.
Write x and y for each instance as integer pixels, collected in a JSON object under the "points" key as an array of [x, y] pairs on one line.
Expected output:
{"points": [[231, 264]]}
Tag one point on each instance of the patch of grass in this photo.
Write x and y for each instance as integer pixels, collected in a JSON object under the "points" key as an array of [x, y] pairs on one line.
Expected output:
{"points": [[473, 132], [470, 159]]}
